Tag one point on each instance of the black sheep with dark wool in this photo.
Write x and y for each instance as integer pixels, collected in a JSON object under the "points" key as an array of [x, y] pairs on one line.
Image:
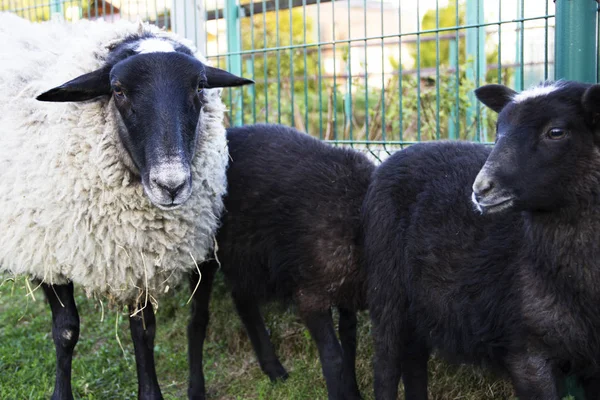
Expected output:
{"points": [[290, 232], [492, 256]]}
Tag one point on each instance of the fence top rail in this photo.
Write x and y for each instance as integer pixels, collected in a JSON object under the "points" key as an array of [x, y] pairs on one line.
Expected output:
{"points": [[259, 7], [385, 36]]}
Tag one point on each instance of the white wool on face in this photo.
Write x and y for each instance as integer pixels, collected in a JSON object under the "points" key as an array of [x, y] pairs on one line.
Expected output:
{"points": [[537, 91], [69, 207], [154, 45]]}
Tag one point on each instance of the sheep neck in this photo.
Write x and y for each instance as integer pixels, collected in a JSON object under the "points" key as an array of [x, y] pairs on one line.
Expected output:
{"points": [[565, 245], [558, 282]]}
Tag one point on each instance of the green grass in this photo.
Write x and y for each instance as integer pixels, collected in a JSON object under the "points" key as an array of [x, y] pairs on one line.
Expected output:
{"points": [[101, 370]]}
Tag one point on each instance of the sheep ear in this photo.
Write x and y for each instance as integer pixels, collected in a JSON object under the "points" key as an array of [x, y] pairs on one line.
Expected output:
{"points": [[217, 78], [495, 96], [591, 103], [82, 88]]}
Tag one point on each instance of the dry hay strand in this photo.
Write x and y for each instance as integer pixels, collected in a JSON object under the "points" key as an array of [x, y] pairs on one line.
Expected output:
{"points": [[199, 279]]}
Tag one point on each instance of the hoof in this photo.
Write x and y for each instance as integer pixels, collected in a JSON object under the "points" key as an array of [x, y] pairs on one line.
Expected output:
{"points": [[276, 372]]}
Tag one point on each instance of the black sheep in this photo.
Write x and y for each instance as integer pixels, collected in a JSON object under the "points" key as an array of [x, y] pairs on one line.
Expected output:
{"points": [[290, 233], [491, 256]]}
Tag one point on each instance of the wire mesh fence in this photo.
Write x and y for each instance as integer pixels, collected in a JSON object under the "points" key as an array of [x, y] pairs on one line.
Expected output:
{"points": [[376, 74], [379, 73]]}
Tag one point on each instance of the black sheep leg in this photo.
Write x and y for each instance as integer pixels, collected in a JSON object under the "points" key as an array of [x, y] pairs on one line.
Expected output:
{"points": [[347, 331], [387, 362], [249, 313], [414, 369], [143, 330], [65, 332], [591, 386], [320, 326], [197, 328]]}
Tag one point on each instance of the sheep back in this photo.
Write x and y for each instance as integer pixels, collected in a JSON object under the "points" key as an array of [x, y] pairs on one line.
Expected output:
{"points": [[291, 229]]}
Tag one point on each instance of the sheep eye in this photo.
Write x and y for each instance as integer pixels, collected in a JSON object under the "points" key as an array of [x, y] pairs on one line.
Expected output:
{"points": [[200, 89], [556, 133], [118, 92]]}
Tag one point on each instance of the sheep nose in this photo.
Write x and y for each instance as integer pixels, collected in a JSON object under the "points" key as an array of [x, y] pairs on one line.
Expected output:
{"points": [[172, 185], [483, 186]]}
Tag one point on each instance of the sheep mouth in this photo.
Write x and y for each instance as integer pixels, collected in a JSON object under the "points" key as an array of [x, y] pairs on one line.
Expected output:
{"points": [[168, 207], [166, 202], [496, 206]]}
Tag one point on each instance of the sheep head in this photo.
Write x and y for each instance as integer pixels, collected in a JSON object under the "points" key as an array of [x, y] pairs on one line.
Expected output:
{"points": [[158, 89], [546, 153]]}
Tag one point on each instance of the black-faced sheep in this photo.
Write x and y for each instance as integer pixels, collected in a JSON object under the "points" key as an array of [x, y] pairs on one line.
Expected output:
{"points": [[290, 232], [73, 176], [509, 280]]}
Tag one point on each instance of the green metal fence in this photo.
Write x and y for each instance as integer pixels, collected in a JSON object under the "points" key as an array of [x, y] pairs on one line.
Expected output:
{"points": [[367, 73], [376, 74]]}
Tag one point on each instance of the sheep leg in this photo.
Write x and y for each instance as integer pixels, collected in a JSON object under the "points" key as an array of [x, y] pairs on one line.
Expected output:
{"points": [[347, 331], [387, 362], [320, 326], [197, 328], [143, 329], [591, 387], [414, 367], [533, 377], [249, 313], [65, 332]]}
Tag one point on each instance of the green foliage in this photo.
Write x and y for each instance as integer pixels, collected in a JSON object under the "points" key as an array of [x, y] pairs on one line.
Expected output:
{"points": [[32, 10], [285, 78], [37, 11], [403, 110], [273, 30], [447, 18]]}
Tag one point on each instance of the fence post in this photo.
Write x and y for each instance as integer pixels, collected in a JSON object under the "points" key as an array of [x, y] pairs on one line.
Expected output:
{"points": [[234, 61], [575, 55], [476, 67], [188, 19], [56, 10], [575, 58], [575, 40], [519, 70], [453, 124]]}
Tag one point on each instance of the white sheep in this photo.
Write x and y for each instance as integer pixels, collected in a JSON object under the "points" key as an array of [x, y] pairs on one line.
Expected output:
{"points": [[119, 192]]}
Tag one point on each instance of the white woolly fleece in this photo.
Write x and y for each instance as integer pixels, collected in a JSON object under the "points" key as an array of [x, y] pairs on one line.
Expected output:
{"points": [[69, 207], [543, 89]]}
